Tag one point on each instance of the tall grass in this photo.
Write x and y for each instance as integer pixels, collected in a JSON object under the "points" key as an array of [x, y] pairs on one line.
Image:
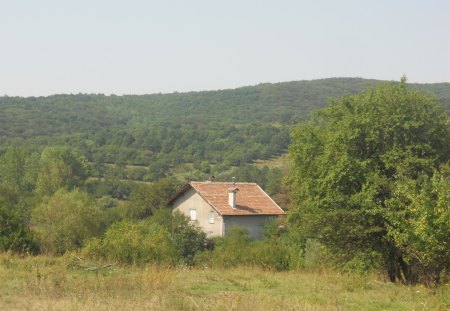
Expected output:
{"points": [[58, 283], [70, 283]]}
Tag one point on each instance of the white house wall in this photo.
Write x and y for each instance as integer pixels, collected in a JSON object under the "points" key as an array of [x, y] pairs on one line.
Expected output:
{"points": [[192, 200]]}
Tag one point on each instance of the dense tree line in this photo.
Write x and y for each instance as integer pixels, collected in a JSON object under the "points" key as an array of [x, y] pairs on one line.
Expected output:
{"points": [[233, 126], [274, 103], [49, 202]]}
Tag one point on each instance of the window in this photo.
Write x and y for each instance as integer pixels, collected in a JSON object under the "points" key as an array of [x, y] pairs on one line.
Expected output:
{"points": [[193, 214], [211, 217]]}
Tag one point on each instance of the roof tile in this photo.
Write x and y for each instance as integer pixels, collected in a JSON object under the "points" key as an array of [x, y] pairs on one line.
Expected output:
{"points": [[250, 199]]}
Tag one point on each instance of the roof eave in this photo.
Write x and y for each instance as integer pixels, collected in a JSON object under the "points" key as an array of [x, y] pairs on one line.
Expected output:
{"points": [[255, 214], [186, 188], [179, 194]]}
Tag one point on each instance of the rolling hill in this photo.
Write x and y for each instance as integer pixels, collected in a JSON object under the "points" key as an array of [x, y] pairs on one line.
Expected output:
{"points": [[160, 131]]}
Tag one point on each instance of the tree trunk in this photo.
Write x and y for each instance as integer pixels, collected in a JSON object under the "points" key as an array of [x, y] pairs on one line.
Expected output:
{"points": [[397, 268]]}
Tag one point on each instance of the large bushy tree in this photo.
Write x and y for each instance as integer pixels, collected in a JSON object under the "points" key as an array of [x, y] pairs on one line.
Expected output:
{"points": [[366, 178], [65, 220]]}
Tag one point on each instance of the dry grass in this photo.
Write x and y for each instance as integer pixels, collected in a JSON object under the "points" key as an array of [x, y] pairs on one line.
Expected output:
{"points": [[43, 283]]}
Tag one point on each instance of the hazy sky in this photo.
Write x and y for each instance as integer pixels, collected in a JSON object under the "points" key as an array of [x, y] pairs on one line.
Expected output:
{"points": [[137, 47]]}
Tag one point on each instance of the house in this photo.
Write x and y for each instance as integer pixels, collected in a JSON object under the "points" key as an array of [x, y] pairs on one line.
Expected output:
{"points": [[218, 206]]}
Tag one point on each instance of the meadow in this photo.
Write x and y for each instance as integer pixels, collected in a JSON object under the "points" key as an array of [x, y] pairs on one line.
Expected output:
{"points": [[71, 283]]}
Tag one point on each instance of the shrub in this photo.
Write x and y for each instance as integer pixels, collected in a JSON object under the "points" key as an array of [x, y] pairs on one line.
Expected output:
{"points": [[270, 254], [187, 237], [164, 238], [65, 221], [237, 249], [130, 242]]}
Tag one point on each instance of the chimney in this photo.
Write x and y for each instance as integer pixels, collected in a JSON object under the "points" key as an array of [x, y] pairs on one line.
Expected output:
{"points": [[232, 194]]}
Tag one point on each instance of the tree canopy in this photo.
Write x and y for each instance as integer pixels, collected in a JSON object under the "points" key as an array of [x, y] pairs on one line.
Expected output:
{"points": [[364, 175]]}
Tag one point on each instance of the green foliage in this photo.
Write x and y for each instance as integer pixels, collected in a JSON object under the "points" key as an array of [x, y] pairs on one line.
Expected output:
{"points": [[145, 199], [236, 249], [19, 169], [130, 242], [14, 233], [271, 254], [45, 172], [59, 168], [188, 238], [117, 189], [64, 221], [12, 168], [421, 225], [230, 251], [158, 132], [380, 158], [361, 263], [270, 180], [88, 113], [349, 161], [164, 238]]}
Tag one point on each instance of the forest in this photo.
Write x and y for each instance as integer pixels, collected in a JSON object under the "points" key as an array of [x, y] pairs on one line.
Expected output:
{"points": [[160, 131], [366, 180]]}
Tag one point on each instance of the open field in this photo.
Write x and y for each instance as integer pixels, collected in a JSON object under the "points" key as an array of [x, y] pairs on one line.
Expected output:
{"points": [[44, 283], [279, 162]]}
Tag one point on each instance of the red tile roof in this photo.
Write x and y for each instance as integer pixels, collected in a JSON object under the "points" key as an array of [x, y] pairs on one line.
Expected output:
{"points": [[250, 199]]}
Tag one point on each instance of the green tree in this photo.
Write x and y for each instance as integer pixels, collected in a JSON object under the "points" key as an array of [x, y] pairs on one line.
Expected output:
{"points": [[12, 168], [14, 232], [32, 168], [65, 221], [347, 161], [59, 168], [18, 169], [145, 199]]}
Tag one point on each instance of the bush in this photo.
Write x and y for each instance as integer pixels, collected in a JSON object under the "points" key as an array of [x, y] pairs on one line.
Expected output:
{"points": [[130, 242], [15, 235], [64, 221], [270, 254], [164, 238], [237, 249], [188, 238]]}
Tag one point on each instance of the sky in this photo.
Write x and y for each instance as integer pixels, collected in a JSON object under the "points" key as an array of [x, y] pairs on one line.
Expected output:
{"points": [[143, 47]]}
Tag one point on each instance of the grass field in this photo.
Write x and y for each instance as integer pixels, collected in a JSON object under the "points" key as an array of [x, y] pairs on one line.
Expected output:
{"points": [[279, 162], [45, 283]]}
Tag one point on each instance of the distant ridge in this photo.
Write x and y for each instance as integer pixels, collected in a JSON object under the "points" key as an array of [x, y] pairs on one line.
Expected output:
{"points": [[283, 102], [203, 126]]}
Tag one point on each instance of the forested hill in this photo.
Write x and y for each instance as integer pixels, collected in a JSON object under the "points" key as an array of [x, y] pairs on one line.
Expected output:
{"points": [[235, 126], [276, 103]]}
